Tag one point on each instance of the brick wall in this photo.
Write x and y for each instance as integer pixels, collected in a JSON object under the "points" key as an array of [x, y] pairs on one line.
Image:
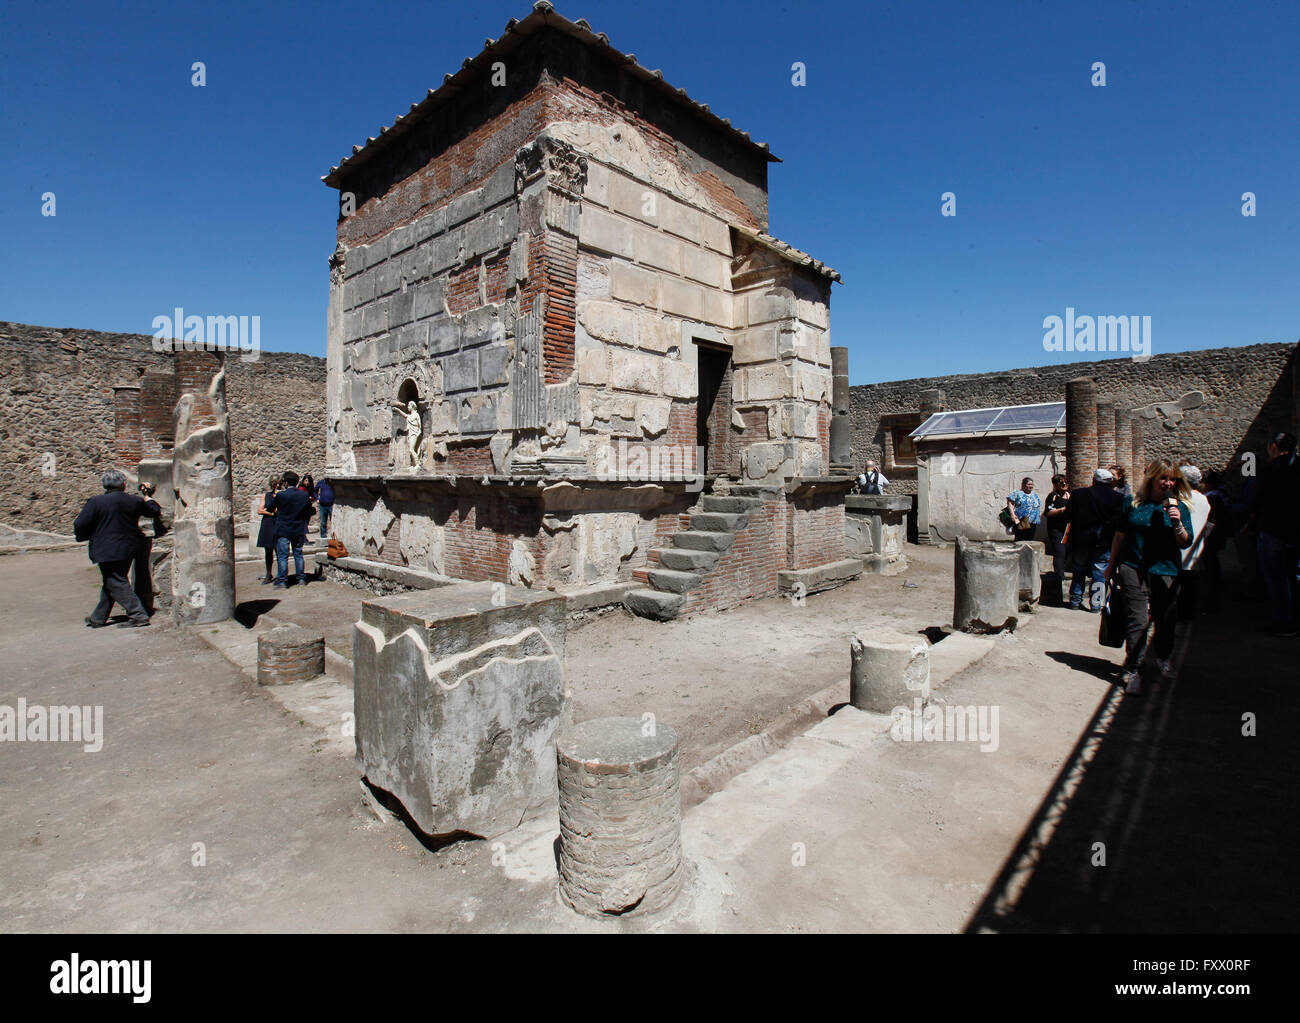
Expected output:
{"points": [[56, 398], [815, 530], [1248, 391], [748, 568]]}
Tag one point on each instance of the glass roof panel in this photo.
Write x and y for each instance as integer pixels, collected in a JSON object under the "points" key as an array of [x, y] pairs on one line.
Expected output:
{"points": [[1049, 416], [1030, 417]]}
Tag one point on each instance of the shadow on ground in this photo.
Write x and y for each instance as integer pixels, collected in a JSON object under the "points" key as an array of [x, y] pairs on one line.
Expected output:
{"points": [[247, 613], [1197, 820]]}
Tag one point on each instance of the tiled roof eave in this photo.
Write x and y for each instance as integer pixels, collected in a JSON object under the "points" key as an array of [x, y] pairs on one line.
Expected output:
{"points": [[543, 16], [789, 252]]}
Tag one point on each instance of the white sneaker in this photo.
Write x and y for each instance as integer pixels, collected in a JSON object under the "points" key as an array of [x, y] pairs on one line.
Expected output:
{"points": [[1132, 682]]}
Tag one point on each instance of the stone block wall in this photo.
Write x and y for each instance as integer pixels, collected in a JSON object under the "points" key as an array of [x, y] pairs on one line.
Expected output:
{"points": [[1248, 392], [58, 409], [542, 300]]}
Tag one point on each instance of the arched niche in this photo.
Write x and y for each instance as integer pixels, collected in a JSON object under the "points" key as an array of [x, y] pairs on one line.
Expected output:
{"points": [[407, 391]]}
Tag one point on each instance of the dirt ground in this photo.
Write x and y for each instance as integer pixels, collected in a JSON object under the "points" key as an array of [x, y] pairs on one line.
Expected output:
{"points": [[715, 678], [720, 677], [211, 807]]}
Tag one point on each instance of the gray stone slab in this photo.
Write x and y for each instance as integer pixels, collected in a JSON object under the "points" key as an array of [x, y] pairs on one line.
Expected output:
{"points": [[481, 416], [819, 577], [482, 326], [430, 224], [501, 185], [459, 694], [412, 340], [399, 308], [388, 279], [414, 265], [400, 240], [358, 291], [374, 318], [464, 207], [354, 261], [444, 336], [460, 372], [429, 299], [353, 324], [494, 363], [444, 252]]}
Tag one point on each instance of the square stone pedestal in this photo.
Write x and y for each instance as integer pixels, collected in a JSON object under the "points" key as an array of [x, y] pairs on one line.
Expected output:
{"points": [[875, 527], [459, 692]]}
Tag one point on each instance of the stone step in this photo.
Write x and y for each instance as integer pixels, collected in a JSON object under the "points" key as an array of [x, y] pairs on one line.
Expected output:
{"points": [[685, 560], [654, 604], [718, 522], [703, 540], [727, 503], [672, 581]]}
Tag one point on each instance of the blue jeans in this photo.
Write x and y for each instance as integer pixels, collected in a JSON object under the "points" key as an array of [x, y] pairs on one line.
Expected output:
{"points": [[282, 546], [1277, 564], [326, 510], [1089, 562]]}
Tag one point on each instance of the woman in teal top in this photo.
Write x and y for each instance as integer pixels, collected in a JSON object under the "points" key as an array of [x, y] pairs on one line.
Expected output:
{"points": [[1145, 557]]}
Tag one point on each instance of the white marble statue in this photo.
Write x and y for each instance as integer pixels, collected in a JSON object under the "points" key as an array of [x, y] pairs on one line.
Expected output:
{"points": [[412, 413]]}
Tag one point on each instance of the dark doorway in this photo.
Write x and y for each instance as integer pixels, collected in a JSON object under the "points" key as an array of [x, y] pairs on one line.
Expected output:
{"points": [[713, 410]]}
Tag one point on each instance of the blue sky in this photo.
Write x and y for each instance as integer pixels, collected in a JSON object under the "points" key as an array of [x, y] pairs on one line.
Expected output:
{"points": [[1122, 200]]}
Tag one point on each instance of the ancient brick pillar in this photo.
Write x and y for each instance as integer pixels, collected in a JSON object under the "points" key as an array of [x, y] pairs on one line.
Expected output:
{"points": [[1105, 433], [289, 653], [620, 816], [1139, 454], [1124, 439], [194, 373], [126, 425], [1080, 430], [158, 398], [932, 400]]}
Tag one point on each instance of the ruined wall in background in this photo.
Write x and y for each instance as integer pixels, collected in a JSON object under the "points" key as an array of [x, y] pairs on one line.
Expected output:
{"points": [[57, 413], [1247, 391]]}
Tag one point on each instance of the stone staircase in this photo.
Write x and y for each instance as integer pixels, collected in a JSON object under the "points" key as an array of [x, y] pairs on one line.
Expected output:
{"points": [[677, 570]]}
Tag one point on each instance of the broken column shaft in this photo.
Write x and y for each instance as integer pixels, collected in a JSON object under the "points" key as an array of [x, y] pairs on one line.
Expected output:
{"points": [[620, 816]]}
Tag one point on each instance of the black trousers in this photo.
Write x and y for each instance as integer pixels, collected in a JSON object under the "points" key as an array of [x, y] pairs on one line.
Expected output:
{"points": [[1147, 598], [142, 583], [117, 588]]}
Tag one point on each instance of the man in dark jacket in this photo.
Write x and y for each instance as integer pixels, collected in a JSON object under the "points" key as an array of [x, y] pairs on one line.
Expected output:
{"points": [[1092, 514], [111, 522], [292, 509]]}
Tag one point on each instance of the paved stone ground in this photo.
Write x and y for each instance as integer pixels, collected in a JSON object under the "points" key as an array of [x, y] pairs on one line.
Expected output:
{"points": [[894, 836]]}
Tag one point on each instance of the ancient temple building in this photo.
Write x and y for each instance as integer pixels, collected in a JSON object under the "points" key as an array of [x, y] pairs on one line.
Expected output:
{"points": [[563, 349]]}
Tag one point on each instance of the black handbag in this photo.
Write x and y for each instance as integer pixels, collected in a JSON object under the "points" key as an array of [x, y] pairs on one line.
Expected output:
{"points": [[1111, 631]]}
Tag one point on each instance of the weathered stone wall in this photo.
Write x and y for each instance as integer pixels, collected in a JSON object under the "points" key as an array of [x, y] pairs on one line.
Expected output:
{"points": [[565, 232], [57, 399], [1249, 391]]}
